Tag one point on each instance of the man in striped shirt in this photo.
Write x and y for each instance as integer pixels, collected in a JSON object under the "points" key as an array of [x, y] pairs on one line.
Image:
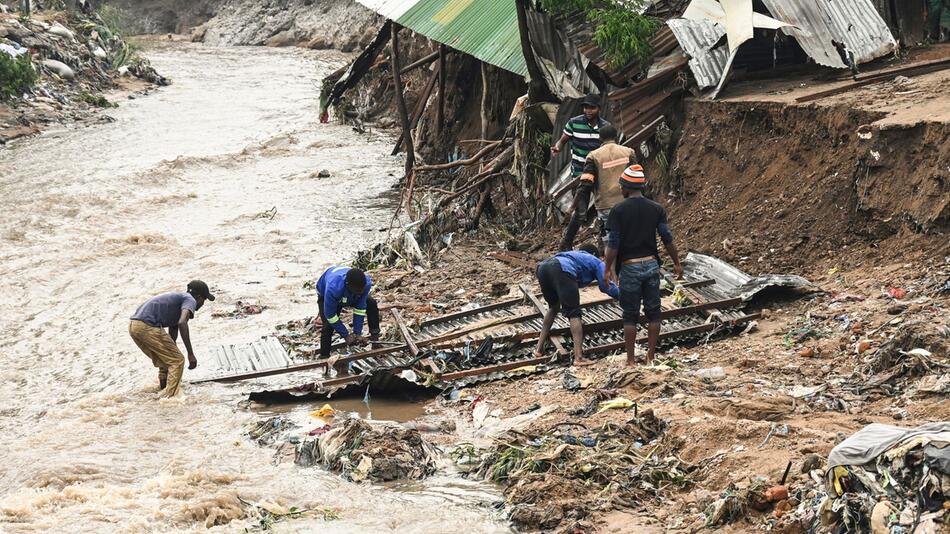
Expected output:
{"points": [[583, 131]]}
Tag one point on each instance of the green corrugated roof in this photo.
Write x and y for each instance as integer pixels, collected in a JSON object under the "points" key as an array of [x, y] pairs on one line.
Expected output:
{"points": [[486, 29]]}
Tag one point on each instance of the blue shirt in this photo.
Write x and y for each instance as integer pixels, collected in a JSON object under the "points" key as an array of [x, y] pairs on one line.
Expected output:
{"points": [[331, 287], [164, 310], [585, 268]]}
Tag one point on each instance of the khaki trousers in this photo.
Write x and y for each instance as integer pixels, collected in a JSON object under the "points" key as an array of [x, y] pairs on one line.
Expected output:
{"points": [[158, 345]]}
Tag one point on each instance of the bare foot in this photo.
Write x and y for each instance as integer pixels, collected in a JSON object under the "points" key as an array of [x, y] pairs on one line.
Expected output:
{"points": [[583, 362]]}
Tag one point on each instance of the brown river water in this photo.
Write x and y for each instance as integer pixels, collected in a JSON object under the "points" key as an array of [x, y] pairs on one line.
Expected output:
{"points": [[96, 219]]}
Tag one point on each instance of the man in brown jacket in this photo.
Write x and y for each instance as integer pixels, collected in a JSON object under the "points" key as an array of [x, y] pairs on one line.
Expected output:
{"points": [[600, 176]]}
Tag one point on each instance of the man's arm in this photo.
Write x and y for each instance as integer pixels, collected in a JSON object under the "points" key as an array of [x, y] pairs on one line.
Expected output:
{"points": [[667, 237], [610, 268], [331, 308], [565, 137], [607, 287], [186, 337], [359, 312]]}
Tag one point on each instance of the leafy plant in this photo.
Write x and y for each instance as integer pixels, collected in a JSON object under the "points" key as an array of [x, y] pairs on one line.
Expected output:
{"points": [[97, 100], [619, 30], [16, 75], [623, 34]]}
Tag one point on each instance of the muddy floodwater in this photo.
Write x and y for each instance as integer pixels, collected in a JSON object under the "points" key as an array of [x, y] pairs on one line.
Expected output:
{"points": [[183, 184]]}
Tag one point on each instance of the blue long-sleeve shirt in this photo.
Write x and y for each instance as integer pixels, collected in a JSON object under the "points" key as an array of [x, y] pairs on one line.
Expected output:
{"points": [[332, 288], [585, 268]]}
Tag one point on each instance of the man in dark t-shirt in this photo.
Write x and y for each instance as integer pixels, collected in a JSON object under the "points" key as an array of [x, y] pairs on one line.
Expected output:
{"points": [[171, 311], [632, 227]]}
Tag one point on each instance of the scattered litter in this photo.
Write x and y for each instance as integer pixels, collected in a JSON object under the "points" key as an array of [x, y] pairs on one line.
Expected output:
{"points": [[619, 403], [711, 373]]}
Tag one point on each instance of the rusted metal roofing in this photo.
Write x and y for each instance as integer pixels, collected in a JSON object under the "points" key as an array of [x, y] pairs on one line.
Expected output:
{"points": [[855, 23], [497, 341], [486, 29], [698, 38]]}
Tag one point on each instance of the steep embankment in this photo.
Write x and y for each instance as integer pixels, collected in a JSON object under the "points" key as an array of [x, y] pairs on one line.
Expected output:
{"points": [[775, 187]]}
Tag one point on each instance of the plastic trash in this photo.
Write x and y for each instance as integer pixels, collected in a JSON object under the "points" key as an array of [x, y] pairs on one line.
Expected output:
{"points": [[619, 403], [710, 373], [325, 411]]}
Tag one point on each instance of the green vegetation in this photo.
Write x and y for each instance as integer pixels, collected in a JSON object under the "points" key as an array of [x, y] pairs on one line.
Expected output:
{"points": [[115, 20], [16, 75], [622, 33], [97, 100]]}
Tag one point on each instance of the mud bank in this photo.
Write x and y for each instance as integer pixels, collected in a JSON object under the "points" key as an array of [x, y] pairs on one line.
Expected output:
{"points": [[82, 68], [774, 187]]}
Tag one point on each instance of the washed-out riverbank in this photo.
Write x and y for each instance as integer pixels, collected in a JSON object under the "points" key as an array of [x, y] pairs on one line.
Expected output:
{"points": [[100, 218]]}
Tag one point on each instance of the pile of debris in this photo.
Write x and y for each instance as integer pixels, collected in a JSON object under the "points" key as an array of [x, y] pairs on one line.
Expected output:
{"points": [[77, 56], [378, 453], [357, 449], [882, 480], [558, 478]]}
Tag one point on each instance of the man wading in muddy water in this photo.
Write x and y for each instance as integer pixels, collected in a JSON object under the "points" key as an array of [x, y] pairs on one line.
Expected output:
{"points": [[171, 311], [583, 131], [560, 278], [631, 243], [337, 288]]}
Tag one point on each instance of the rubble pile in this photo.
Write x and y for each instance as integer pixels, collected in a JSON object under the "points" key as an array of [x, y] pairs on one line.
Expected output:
{"points": [[76, 57], [378, 453], [556, 479]]}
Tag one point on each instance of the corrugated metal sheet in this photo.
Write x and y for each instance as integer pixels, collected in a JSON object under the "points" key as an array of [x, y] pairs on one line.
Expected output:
{"points": [[697, 39], [264, 353], [856, 23], [496, 341], [486, 29]]}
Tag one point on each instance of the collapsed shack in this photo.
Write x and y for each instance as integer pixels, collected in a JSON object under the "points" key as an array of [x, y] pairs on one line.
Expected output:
{"points": [[497, 341], [356, 449]]}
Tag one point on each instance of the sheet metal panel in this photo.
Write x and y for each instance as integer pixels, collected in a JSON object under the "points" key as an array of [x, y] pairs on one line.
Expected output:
{"points": [[486, 29], [856, 23], [697, 39]]}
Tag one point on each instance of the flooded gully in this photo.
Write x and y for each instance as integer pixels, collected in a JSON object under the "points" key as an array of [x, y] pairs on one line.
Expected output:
{"points": [[97, 219]]}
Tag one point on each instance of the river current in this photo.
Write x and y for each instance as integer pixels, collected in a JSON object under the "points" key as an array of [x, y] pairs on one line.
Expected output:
{"points": [[183, 184]]}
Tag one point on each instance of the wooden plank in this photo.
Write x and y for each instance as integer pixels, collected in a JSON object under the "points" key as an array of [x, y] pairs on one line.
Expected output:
{"points": [[698, 329], [413, 348], [404, 330], [303, 366], [555, 339]]}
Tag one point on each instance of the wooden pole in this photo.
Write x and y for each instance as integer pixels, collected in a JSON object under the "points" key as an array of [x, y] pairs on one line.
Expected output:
{"points": [[401, 101], [484, 100], [419, 63], [440, 115], [418, 110]]}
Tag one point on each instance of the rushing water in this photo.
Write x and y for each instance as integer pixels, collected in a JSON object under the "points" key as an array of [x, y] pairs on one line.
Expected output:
{"points": [[97, 219]]}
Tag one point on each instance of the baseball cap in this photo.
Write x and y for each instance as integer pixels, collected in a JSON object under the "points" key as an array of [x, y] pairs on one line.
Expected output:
{"points": [[200, 288]]}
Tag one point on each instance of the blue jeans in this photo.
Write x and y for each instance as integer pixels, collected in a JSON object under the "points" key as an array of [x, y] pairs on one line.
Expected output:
{"points": [[640, 282]]}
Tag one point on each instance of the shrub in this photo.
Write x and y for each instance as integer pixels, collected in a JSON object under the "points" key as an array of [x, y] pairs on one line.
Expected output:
{"points": [[16, 75], [622, 33]]}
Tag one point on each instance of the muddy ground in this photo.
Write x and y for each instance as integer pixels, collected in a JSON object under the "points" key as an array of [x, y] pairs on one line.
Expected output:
{"points": [[852, 194]]}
